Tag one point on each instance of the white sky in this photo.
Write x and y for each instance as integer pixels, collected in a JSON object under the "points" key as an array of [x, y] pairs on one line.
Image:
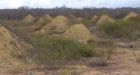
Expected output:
{"points": [[68, 3]]}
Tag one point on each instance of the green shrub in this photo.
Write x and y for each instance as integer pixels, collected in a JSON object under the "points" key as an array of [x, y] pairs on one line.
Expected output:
{"points": [[55, 50], [122, 29], [104, 50]]}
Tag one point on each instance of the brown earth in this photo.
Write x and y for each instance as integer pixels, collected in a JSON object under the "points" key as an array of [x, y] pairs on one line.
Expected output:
{"points": [[126, 61]]}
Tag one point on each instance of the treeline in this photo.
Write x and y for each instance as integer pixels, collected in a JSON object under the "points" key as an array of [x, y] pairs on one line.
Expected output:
{"points": [[18, 14]]}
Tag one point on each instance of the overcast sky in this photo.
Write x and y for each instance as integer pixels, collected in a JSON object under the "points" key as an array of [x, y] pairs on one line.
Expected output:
{"points": [[68, 3]]}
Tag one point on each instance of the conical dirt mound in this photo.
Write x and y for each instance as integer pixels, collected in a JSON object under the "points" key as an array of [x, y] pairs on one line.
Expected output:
{"points": [[131, 15], [6, 39], [10, 49], [75, 20], [48, 17], [104, 19], [94, 19], [44, 19], [60, 20], [58, 24], [28, 18], [79, 32], [41, 21]]}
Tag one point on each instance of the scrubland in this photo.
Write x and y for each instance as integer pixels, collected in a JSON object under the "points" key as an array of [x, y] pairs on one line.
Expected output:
{"points": [[62, 45]]}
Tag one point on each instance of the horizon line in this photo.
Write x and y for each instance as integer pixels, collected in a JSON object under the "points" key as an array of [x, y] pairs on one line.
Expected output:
{"points": [[64, 7]]}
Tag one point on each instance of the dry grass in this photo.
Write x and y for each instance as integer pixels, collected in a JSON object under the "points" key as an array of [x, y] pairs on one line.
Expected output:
{"points": [[104, 50]]}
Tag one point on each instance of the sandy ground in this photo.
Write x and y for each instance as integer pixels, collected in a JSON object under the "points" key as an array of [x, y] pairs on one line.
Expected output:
{"points": [[126, 61]]}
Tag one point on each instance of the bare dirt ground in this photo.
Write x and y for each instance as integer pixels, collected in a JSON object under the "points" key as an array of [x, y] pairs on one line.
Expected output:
{"points": [[126, 61]]}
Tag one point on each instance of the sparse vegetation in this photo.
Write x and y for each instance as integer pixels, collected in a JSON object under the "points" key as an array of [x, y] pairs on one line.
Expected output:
{"points": [[57, 50], [104, 50], [67, 40], [54, 50], [122, 29]]}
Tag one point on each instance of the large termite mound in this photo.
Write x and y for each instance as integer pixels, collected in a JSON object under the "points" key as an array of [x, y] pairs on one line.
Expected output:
{"points": [[57, 25], [104, 19], [79, 32], [44, 19], [130, 16], [29, 18], [11, 48]]}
